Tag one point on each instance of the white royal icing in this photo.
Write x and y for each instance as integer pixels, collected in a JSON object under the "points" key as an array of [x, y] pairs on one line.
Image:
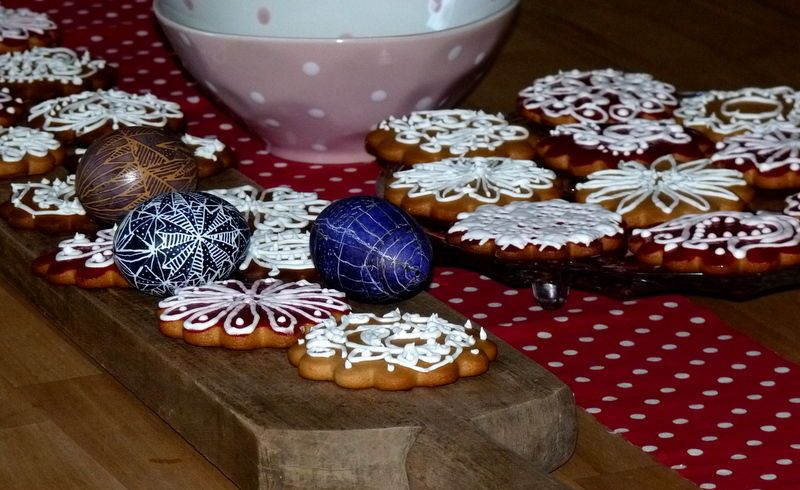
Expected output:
{"points": [[21, 23], [793, 205], [283, 306], [5, 98], [96, 253], [708, 232], [482, 179], [665, 183], [546, 224], [633, 137], [767, 148], [18, 142], [278, 208], [87, 111], [419, 342], [781, 104], [207, 147], [276, 251], [598, 96], [458, 130], [56, 197], [61, 65]]}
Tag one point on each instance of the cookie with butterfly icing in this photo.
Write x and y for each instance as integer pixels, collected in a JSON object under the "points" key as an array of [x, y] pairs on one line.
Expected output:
{"points": [[583, 148], [769, 156], [430, 136], [49, 206], [26, 151], [42, 73], [82, 118], [284, 254], [396, 351], [82, 261], [212, 155], [277, 208], [21, 29], [597, 96], [547, 230], [646, 195], [793, 205], [231, 314], [439, 191], [724, 242], [720, 114]]}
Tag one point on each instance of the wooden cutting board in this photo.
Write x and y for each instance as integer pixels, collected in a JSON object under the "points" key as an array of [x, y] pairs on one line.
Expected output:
{"points": [[251, 415]]}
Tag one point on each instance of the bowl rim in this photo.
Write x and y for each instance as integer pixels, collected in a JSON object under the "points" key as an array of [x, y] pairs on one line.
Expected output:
{"points": [[164, 19]]}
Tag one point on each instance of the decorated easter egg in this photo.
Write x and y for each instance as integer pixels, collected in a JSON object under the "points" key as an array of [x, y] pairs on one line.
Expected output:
{"points": [[126, 167], [180, 239], [371, 249]]}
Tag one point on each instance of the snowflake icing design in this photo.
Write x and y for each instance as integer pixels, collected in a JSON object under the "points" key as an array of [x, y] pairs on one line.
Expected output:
{"points": [[48, 64], [769, 148], [17, 142], [22, 23], [276, 251], [632, 137], [277, 209], [666, 183], [47, 197], [96, 253]]}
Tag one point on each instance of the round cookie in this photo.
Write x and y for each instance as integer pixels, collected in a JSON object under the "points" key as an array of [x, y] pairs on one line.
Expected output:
{"points": [[22, 28], [430, 136], [724, 242], [597, 96], [83, 262], [665, 190], [793, 205], [580, 149], [439, 191], [529, 231], [211, 154], [283, 254], [230, 314], [46, 206], [769, 156], [392, 352], [81, 118], [720, 114], [26, 151], [42, 73]]}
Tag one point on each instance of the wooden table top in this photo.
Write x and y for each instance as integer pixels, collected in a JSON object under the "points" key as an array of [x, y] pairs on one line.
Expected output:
{"points": [[65, 423]]}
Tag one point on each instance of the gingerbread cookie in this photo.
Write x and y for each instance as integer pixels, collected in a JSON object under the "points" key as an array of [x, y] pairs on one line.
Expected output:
{"points": [[646, 195], [211, 154], [47, 206], [12, 109], [82, 118], [277, 209], [580, 149], [430, 136], [439, 191], [26, 151], [43, 73], [283, 254], [548, 230], [793, 205], [598, 96], [720, 114], [83, 262], [725, 242], [21, 29], [230, 314], [769, 156], [392, 352]]}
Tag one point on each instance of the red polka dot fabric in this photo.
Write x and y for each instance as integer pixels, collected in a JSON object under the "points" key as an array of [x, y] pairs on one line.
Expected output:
{"points": [[664, 373]]}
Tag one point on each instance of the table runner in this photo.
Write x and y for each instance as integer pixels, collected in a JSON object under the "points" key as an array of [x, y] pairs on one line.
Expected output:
{"points": [[666, 374]]}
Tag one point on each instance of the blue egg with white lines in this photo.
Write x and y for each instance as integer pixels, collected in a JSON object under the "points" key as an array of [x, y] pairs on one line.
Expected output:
{"points": [[372, 250]]}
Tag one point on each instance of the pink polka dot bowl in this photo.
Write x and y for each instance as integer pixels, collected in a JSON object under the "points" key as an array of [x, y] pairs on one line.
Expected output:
{"points": [[312, 77]]}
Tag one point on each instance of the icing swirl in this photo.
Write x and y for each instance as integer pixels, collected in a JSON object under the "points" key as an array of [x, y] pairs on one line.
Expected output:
{"points": [[289, 250], [276, 209], [22, 23], [207, 147], [96, 253], [768, 148], [47, 198], [18, 142], [48, 64], [633, 137]]}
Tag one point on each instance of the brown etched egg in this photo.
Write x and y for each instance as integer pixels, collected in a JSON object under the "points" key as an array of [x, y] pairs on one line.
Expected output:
{"points": [[126, 167]]}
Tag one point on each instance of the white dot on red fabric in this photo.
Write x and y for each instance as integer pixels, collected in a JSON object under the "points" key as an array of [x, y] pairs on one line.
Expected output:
{"points": [[225, 126], [724, 472], [456, 300], [669, 346], [724, 425], [638, 416], [711, 392], [575, 310], [613, 355], [570, 352], [597, 368], [767, 383], [555, 364], [653, 359], [784, 462], [708, 486], [585, 339], [335, 179], [738, 456], [696, 406], [616, 312], [724, 380], [682, 375], [511, 292], [754, 443], [754, 397], [263, 16], [355, 190], [697, 320], [625, 386], [454, 53], [649, 448], [529, 347], [519, 319], [710, 350], [627, 343], [753, 353], [494, 304], [620, 430], [593, 410], [739, 411], [281, 165], [666, 435], [768, 428], [697, 362], [783, 415], [781, 370], [589, 299], [679, 421], [246, 161], [769, 476], [738, 366], [544, 335], [311, 68], [600, 326], [682, 334], [609, 398], [642, 331], [561, 319], [670, 304], [480, 316], [470, 289], [656, 318], [694, 452]]}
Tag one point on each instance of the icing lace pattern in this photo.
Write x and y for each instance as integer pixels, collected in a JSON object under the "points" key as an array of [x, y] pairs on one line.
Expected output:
{"points": [[276, 251], [95, 253], [17, 142], [55, 197], [768, 148], [630, 138], [207, 147], [22, 23], [61, 65]]}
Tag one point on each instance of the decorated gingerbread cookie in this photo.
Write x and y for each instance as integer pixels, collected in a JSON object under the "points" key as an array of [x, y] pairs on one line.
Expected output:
{"points": [[430, 136], [268, 313], [439, 191], [721, 114], [598, 96], [769, 156], [277, 209], [26, 151], [282, 254], [580, 149], [793, 205], [82, 118], [212, 155], [43, 73], [396, 351], [48, 206], [646, 195], [22, 28], [548, 230], [82, 261], [724, 242]]}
